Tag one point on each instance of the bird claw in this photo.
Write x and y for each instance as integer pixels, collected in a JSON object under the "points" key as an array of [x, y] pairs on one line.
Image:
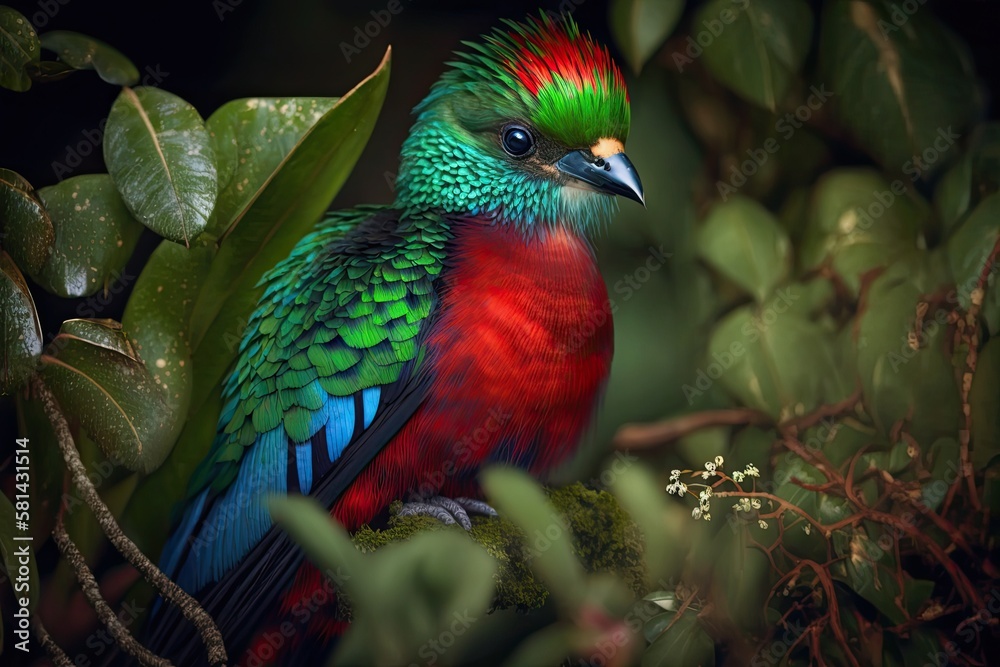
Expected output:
{"points": [[448, 510]]}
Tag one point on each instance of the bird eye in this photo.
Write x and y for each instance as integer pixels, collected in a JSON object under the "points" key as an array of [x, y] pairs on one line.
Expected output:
{"points": [[517, 141]]}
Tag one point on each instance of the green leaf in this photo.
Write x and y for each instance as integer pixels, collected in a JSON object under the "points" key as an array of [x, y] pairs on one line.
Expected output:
{"points": [[663, 527], [640, 26], [325, 542], [984, 402], [18, 47], [20, 330], [252, 137], [519, 498], [902, 90], [775, 360], [160, 156], [157, 318], [282, 212], [970, 247], [25, 226], [866, 568], [759, 48], [905, 376], [13, 543], [551, 645], [99, 380], [974, 178], [48, 71], [95, 235], [858, 221], [83, 52], [683, 643], [743, 241]]}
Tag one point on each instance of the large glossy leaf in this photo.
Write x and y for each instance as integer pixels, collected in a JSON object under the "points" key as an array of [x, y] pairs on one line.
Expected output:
{"points": [[664, 527], [742, 240], [549, 543], [251, 138], [905, 374], [13, 542], [970, 247], [101, 381], [774, 359], [443, 577], [18, 47], [757, 47], [157, 319], [857, 221], [20, 331], [282, 211], [902, 90], [294, 196], [682, 642], [83, 52], [984, 401], [160, 156], [95, 235], [640, 26], [25, 226], [972, 179]]}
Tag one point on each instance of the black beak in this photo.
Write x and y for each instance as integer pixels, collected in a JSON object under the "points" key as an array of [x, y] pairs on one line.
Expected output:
{"points": [[614, 175]]}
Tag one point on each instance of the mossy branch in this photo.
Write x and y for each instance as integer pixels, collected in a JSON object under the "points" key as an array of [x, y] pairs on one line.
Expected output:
{"points": [[170, 590], [604, 540]]}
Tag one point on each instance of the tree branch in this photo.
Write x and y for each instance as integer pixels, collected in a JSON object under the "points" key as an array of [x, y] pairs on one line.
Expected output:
{"points": [[92, 592], [647, 436], [168, 589]]}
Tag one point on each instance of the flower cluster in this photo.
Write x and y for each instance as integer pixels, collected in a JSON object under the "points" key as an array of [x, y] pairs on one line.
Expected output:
{"points": [[705, 494], [750, 471]]}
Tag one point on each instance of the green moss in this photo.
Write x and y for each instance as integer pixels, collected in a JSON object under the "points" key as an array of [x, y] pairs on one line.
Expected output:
{"points": [[605, 540]]}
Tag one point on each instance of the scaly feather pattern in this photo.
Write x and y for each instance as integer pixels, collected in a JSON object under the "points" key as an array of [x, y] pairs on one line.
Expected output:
{"points": [[400, 349]]}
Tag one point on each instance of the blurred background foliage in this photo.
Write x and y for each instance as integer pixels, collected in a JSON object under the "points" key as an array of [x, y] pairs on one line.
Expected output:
{"points": [[810, 295]]}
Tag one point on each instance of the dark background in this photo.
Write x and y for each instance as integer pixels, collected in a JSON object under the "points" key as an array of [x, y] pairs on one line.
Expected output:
{"points": [[212, 51]]}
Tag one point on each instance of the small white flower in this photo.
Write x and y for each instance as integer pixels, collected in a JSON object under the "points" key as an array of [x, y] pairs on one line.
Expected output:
{"points": [[745, 504], [719, 461], [696, 513], [737, 476], [736, 507], [683, 488], [755, 503], [675, 475], [807, 528], [751, 471], [707, 516], [705, 494], [762, 523], [671, 488]]}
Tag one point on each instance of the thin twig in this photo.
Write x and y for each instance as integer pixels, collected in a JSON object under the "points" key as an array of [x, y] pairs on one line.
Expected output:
{"points": [[646, 436], [168, 589], [105, 614], [51, 647]]}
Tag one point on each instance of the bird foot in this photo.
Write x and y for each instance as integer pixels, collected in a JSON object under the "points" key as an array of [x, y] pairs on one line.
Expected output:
{"points": [[448, 510]]}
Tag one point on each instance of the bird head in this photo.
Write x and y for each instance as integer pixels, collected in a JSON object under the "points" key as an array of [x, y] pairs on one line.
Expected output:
{"points": [[527, 127]]}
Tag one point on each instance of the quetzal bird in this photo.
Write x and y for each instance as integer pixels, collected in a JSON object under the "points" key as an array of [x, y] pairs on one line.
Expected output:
{"points": [[399, 349]]}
